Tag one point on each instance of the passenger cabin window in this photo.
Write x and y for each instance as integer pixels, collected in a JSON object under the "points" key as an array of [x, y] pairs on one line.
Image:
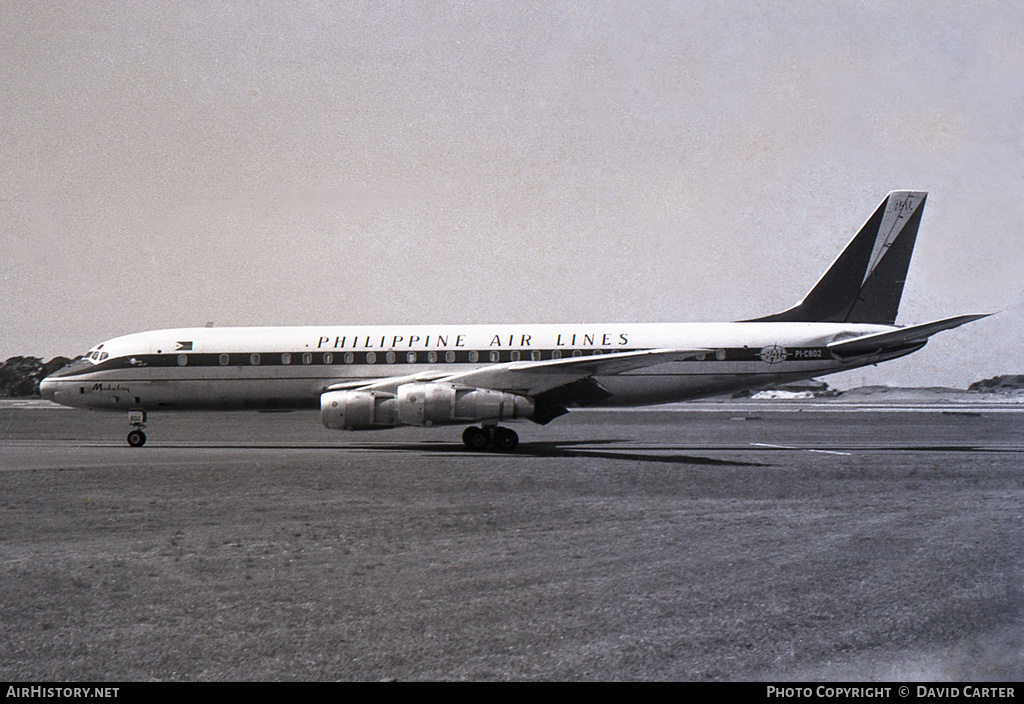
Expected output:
{"points": [[254, 359], [286, 358], [449, 356], [328, 358], [307, 357], [390, 357], [535, 355], [371, 357], [514, 355], [432, 357], [474, 356], [410, 357], [182, 360], [349, 358], [225, 360]]}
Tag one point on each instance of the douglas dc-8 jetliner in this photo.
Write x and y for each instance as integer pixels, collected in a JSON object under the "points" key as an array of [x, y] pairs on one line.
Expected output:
{"points": [[372, 377]]}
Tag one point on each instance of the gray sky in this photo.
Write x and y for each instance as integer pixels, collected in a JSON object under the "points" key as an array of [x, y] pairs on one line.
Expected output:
{"points": [[164, 164]]}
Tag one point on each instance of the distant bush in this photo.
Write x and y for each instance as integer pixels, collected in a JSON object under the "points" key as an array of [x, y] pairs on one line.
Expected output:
{"points": [[1005, 382], [20, 376]]}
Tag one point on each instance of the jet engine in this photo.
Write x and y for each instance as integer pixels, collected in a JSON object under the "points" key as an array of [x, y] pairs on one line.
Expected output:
{"points": [[423, 404], [349, 410]]}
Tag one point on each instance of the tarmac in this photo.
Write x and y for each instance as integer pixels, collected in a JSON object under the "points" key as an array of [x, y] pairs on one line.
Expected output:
{"points": [[766, 541]]}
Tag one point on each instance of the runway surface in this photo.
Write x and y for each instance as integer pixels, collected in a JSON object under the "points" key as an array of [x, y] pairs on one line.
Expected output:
{"points": [[766, 541]]}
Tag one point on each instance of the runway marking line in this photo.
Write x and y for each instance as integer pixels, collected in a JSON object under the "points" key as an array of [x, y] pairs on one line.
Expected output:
{"points": [[805, 449]]}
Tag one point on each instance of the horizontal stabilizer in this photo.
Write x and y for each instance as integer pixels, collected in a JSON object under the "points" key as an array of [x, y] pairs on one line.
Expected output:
{"points": [[901, 337]]}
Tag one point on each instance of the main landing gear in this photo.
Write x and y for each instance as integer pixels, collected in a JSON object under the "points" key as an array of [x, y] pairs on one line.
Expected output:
{"points": [[480, 439], [137, 419]]}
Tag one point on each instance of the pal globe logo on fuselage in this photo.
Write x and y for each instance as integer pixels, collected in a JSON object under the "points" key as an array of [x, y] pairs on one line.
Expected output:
{"points": [[773, 354]]}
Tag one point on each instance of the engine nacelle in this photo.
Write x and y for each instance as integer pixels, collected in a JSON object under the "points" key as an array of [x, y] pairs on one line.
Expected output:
{"points": [[424, 404], [358, 410], [444, 404]]}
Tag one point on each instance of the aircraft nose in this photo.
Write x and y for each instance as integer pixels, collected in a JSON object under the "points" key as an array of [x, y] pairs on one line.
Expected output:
{"points": [[48, 389]]}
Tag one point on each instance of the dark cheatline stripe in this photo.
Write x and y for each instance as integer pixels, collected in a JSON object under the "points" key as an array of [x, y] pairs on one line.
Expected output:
{"points": [[399, 357]]}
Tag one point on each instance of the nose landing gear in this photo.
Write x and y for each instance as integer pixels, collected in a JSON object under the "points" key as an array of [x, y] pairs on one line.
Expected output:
{"points": [[479, 439], [137, 419]]}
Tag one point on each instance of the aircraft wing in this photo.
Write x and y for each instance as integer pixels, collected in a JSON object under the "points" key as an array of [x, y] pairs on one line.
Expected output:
{"points": [[559, 384], [900, 337], [531, 378], [387, 383], [555, 384]]}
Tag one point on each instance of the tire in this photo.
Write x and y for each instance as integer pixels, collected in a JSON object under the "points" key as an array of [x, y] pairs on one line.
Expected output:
{"points": [[136, 438], [505, 440], [475, 439]]}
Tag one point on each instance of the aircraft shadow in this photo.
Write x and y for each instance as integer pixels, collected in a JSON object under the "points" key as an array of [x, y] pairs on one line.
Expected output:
{"points": [[554, 449], [568, 449], [563, 449]]}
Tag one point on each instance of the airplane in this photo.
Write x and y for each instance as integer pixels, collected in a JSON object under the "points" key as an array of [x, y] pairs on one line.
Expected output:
{"points": [[376, 377]]}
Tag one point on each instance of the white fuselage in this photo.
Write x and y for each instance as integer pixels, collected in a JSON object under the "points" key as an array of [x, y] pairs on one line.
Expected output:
{"points": [[290, 367]]}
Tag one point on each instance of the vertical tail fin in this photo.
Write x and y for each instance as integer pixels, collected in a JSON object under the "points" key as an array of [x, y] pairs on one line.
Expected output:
{"points": [[865, 283]]}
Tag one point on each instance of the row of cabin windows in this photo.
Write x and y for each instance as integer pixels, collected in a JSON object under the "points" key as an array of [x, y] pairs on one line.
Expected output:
{"points": [[432, 357]]}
